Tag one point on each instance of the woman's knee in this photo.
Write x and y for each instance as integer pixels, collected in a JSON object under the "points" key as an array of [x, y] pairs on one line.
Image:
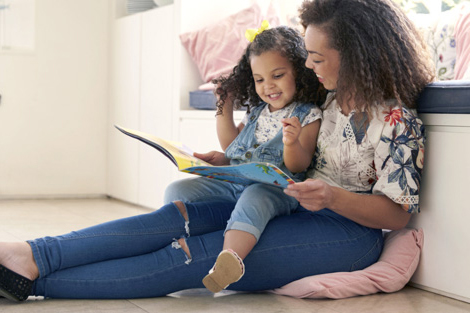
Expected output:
{"points": [[182, 208], [184, 246]]}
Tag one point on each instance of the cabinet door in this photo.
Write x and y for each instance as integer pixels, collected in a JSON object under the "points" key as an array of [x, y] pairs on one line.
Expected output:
{"points": [[200, 135], [156, 106], [123, 152], [197, 129], [445, 213]]}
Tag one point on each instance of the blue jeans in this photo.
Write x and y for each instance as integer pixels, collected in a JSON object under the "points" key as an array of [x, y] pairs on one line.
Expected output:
{"points": [[139, 256], [255, 205]]}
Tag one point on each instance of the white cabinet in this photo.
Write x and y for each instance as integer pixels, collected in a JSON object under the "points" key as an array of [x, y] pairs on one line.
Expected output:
{"points": [[156, 105], [123, 155], [151, 76], [141, 98], [445, 211]]}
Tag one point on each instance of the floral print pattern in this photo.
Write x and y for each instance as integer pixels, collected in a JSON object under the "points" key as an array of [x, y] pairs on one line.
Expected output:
{"points": [[380, 155], [269, 123]]}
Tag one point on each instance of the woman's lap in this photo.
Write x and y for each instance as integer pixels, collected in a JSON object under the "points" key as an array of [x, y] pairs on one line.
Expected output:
{"points": [[291, 247], [305, 244]]}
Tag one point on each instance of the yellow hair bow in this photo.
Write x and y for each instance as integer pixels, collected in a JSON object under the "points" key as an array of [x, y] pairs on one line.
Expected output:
{"points": [[251, 33]]}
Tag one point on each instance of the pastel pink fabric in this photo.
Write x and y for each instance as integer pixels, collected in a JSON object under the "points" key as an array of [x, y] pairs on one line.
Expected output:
{"points": [[217, 48], [462, 40], [393, 270]]}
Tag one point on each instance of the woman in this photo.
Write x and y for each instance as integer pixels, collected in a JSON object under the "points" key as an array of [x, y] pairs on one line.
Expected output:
{"points": [[367, 177]]}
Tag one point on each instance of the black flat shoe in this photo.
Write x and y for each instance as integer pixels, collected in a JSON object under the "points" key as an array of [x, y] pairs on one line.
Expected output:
{"points": [[14, 286]]}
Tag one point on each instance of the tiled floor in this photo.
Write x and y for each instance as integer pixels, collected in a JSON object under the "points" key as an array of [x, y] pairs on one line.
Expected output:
{"points": [[25, 219]]}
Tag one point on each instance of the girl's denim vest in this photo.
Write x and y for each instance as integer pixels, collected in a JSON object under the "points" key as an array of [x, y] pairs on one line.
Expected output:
{"points": [[246, 149]]}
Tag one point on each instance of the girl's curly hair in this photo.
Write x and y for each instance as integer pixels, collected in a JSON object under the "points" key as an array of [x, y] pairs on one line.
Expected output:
{"points": [[239, 86], [382, 55]]}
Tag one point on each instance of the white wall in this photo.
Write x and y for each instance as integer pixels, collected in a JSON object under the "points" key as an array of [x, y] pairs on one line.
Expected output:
{"points": [[54, 104]]}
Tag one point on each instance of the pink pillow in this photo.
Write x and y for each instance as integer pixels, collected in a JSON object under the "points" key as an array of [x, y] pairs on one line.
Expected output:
{"points": [[393, 270], [217, 48], [462, 39]]}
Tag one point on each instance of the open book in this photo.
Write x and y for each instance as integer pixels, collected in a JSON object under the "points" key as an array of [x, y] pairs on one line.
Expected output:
{"points": [[244, 174]]}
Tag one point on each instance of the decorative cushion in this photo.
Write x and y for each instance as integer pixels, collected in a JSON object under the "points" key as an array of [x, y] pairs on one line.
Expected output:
{"points": [[462, 38], [443, 46], [393, 270], [217, 48]]}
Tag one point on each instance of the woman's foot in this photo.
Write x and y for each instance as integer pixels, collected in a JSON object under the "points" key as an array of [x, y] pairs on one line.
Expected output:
{"points": [[17, 270], [18, 257], [228, 268]]}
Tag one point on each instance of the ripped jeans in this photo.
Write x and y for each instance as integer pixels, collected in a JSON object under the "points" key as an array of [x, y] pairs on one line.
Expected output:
{"points": [[140, 256], [255, 206]]}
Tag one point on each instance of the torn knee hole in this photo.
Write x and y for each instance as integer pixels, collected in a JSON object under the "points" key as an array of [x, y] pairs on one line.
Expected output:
{"points": [[181, 244], [182, 208]]}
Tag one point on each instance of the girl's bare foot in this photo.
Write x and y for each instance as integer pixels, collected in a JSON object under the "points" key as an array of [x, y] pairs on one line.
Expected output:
{"points": [[18, 257]]}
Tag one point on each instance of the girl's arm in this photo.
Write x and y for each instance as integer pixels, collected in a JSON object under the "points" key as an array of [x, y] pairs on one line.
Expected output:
{"points": [[226, 128], [375, 211], [299, 143], [215, 158]]}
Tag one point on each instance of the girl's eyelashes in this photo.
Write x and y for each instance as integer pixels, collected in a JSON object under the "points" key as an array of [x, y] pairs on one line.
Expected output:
{"points": [[277, 76], [317, 62]]}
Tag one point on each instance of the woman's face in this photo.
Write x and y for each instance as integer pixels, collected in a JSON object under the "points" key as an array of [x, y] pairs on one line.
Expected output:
{"points": [[322, 59], [274, 79]]}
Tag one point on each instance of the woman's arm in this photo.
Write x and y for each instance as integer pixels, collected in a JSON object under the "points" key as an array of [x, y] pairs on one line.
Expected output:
{"points": [[375, 211]]}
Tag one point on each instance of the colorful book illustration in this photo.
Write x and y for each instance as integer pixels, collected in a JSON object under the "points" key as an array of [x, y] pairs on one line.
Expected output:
{"points": [[244, 174]]}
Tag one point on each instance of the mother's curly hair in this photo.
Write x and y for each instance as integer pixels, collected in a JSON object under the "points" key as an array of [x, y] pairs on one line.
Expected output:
{"points": [[239, 86], [382, 55]]}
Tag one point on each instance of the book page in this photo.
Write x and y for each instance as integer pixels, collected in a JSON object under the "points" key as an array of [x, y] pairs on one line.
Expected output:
{"points": [[179, 156]]}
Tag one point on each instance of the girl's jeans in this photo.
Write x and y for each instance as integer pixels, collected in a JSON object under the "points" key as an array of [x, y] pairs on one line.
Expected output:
{"points": [[139, 256], [255, 205]]}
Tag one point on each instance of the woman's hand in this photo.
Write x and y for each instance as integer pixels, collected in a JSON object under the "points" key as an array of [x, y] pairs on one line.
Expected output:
{"points": [[213, 157], [312, 194], [375, 211]]}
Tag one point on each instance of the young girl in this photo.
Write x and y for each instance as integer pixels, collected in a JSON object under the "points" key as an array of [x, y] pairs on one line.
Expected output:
{"points": [[281, 128]]}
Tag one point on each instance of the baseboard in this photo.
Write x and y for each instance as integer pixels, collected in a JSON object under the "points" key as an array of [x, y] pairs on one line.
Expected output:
{"points": [[440, 292], [52, 197]]}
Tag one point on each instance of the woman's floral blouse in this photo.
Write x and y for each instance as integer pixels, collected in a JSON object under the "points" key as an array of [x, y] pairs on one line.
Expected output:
{"points": [[383, 155]]}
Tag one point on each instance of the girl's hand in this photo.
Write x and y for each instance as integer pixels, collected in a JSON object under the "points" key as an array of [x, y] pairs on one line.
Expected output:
{"points": [[312, 194], [290, 130], [213, 157]]}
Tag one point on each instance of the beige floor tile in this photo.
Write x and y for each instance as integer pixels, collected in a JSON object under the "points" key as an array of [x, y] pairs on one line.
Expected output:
{"points": [[408, 300], [202, 301], [6, 236], [69, 306]]}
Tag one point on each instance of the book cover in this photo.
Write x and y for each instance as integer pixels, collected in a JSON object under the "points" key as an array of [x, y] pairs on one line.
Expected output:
{"points": [[244, 174]]}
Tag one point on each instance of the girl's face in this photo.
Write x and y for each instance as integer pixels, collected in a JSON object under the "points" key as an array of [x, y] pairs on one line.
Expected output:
{"points": [[274, 79], [322, 59]]}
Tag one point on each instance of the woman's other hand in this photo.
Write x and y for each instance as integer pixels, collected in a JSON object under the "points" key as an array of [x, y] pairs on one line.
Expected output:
{"points": [[312, 194], [213, 157]]}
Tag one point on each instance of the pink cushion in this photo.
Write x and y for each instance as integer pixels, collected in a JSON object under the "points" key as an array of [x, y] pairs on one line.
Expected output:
{"points": [[462, 38], [217, 48], [393, 270]]}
